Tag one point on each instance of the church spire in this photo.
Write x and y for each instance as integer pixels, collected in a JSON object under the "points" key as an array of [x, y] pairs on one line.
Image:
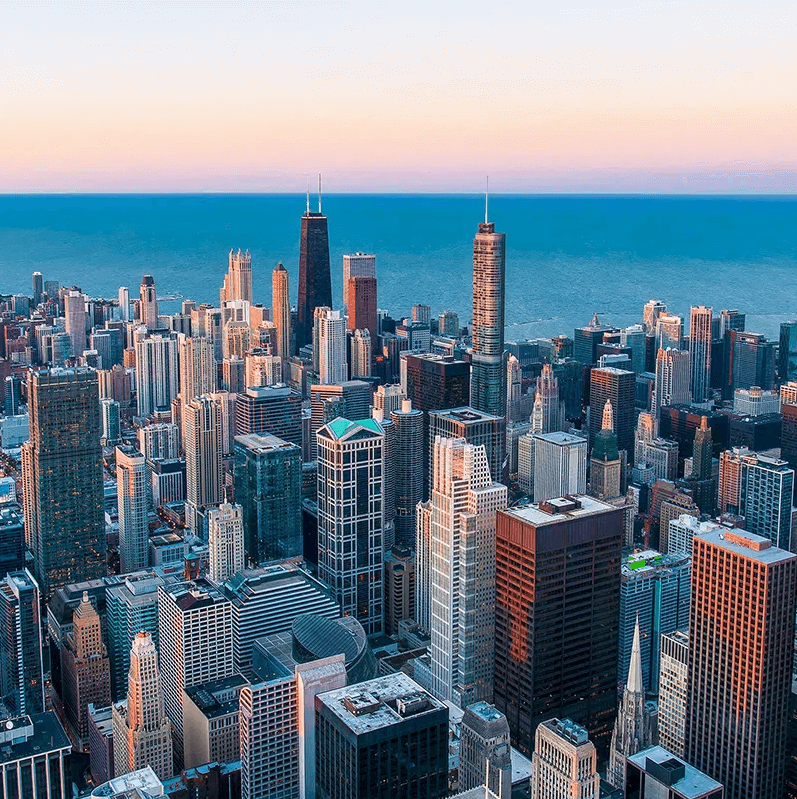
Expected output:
{"points": [[634, 684]]}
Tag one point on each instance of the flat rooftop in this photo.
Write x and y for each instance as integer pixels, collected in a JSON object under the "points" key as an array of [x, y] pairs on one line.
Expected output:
{"points": [[563, 510], [561, 438], [376, 704], [693, 785], [749, 545]]}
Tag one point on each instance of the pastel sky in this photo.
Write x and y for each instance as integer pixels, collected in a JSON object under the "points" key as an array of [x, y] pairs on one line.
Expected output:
{"points": [[399, 96]]}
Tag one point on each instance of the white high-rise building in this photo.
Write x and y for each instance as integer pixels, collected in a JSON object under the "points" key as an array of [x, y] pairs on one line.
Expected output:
{"points": [[142, 734], [560, 465], [673, 681], [225, 542], [160, 440], [652, 311], [236, 339], [358, 265], [700, 352], [464, 503], [673, 386], [196, 645], [547, 406], [351, 468], [157, 372], [261, 369], [360, 354], [131, 492], [197, 367], [75, 319], [124, 303], [238, 280], [329, 337], [423, 565], [389, 398], [564, 764], [754, 401], [669, 332], [513, 389], [203, 451]]}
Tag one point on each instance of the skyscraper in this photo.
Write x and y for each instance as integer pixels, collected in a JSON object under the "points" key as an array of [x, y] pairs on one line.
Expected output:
{"points": [[557, 602], [148, 311], [62, 476], [351, 517], [652, 311], [787, 351], [21, 666], [75, 318], [124, 303], [673, 386], [358, 265], [238, 280], [634, 728], [464, 502], [669, 332], [700, 352], [564, 764], [315, 281], [741, 636], [281, 310], [38, 287], [225, 542], [407, 467], [560, 465], [157, 373], [766, 492], [202, 427], [361, 304], [329, 338], [617, 386], [141, 731], [197, 368], [484, 745], [361, 354], [131, 492], [551, 409], [268, 487], [276, 410], [488, 361], [605, 466], [673, 682]]}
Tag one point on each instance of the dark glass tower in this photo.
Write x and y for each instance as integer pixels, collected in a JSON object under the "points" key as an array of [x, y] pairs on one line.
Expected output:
{"points": [[315, 280]]}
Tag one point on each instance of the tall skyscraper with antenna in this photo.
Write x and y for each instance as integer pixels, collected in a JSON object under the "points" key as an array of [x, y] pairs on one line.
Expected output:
{"points": [[315, 280], [488, 374]]}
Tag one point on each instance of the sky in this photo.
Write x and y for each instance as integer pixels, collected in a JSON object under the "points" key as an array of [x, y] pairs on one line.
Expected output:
{"points": [[673, 97]]}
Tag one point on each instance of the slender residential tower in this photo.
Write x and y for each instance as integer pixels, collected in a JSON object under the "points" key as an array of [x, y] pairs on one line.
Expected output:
{"points": [[315, 280], [281, 310], [700, 352], [488, 374], [148, 311]]}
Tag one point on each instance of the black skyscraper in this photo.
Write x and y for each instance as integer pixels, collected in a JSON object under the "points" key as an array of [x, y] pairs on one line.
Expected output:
{"points": [[315, 281]]}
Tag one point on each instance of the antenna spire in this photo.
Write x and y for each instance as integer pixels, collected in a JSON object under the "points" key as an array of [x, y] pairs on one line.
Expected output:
{"points": [[486, 198], [308, 196], [319, 192]]}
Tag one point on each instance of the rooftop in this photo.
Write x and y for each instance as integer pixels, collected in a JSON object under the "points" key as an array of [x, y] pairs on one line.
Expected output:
{"points": [[748, 545], [692, 785], [465, 415], [561, 438], [31, 736], [559, 510], [263, 442], [379, 703], [218, 698], [194, 594], [343, 427]]}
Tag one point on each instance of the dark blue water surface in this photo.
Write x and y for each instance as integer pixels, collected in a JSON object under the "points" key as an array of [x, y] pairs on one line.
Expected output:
{"points": [[567, 256]]}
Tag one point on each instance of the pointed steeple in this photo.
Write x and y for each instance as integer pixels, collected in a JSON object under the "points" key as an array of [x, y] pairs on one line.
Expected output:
{"points": [[608, 417], [634, 684]]}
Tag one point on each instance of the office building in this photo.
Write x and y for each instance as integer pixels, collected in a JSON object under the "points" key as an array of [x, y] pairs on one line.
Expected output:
{"points": [[740, 660], [673, 385], [268, 487], [766, 492], [564, 763], [12, 532], [262, 369], [329, 339], [485, 750], [62, 478], [358, 732], [634, 728], [542, 621], [131, 494], [196, 645], [157, 373], [479, 429], [388, 399], [348, 400], [37, 281], [21, 665], [110, 434], [587, 339], [788, 441], [755, 401], [315, 281], [202, 430], [752, 362], [277, 722], [488, 361], [34, 757], [75, 320], [275, 410], [148, 307], [654, 595], [124, 303], [673, 681], [360, 302], [351, 518], [652, 310], [700, 352], [448, 324], [617, 386], [399, 587], [787, 351], [281, 310], [141, 731], [464, 501], [225, 542], [357, 265], [434, 382], [85, 670], [657, 772], [101, 763], [605, 465], [551, 410], [159, 441], [238, 280], [560, 465], [197, 368], [407, 469], [236, 339], [669, 332], [266, 601], [361, 354], [701, 479]]}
